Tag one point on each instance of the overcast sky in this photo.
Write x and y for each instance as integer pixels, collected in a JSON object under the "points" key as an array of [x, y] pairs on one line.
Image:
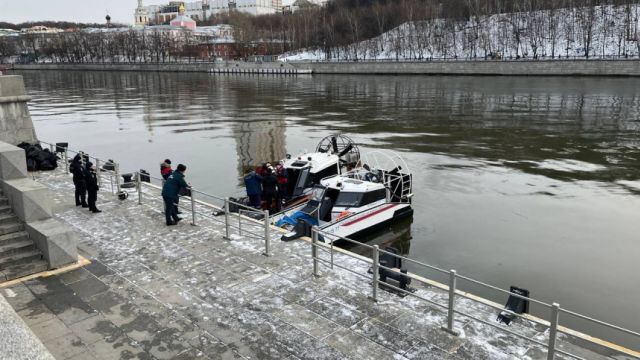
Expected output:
{"points": [[70, 10]]}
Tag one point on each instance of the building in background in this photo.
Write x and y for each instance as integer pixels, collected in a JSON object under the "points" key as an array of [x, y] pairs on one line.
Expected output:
{"points": [[201, 10], [141, 15], [183, 20]]}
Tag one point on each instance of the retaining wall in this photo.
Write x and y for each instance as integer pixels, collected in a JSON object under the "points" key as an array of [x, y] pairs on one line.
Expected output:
{"points": [[595, 67], [485, 67], [226, 67], [15, 122]]}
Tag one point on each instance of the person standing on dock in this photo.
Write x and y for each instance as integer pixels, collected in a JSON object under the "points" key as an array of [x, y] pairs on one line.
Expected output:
{"points": [[165, 172], [77, 169], [170, 192], [165, 169], [252, 183], [92, 187], [283, 180], [270, 189]]}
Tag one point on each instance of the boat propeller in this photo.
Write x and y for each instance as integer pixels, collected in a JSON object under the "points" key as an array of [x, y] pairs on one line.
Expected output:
{"points": [[340, 145]]}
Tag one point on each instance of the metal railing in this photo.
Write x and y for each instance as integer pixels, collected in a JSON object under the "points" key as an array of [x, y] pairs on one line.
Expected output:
{"points": [[246, 215], [554, 309], [114, 175], [261, 220]]}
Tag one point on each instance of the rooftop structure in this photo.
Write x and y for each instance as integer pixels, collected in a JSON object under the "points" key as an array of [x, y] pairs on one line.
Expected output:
{"points": [[201, 10], [183, 20], [40, 29]]}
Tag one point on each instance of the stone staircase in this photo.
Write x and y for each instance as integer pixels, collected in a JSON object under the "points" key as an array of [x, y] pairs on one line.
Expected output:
{"points": [[18, 255]]}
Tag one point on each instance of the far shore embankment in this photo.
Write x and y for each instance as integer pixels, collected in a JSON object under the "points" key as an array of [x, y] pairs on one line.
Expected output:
{"points": [[217, 67], [569, 67], [572, 67]]}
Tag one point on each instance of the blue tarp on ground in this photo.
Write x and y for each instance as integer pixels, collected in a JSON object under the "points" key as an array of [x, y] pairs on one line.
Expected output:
{"points": [[293, 219]]}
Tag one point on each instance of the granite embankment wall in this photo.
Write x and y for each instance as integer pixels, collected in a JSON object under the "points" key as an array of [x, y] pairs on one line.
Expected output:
{"points": [[485, 67], [15, 122], [458, 67], [235, 66]]}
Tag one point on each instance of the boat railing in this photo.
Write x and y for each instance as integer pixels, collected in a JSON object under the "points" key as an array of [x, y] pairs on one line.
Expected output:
{"points": [[254, 223]]}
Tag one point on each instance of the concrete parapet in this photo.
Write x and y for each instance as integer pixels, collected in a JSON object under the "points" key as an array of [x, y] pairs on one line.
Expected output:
{"points": [[17, 341], [56, 240], [15, 122], [13, 162], [479, 67], [31, 201], [213, 67]]}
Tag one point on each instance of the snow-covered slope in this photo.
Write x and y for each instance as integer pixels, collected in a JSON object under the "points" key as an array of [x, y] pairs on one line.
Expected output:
{"points": [[607, 31]]}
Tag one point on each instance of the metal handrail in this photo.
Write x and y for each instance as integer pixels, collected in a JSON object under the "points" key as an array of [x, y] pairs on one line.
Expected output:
{"points": [[415, 261], [504, 291], [600, 322], [553, 325]]}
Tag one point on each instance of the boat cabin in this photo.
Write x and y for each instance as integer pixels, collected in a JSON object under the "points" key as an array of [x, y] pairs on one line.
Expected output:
{"points": [[306, 170], [338, 197]]}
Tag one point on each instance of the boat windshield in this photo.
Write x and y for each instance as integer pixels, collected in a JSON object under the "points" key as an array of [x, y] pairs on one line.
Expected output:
{"points": [[348, 199], [317, 193]]}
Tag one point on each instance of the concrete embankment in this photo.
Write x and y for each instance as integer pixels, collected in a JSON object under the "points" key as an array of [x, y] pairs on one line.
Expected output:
{"points": [[458, 67], [217, 67], [461, 67]]}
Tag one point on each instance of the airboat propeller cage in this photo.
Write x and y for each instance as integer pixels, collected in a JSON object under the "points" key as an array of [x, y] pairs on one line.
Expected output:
{"points": [[391, 170], [340, 145]]}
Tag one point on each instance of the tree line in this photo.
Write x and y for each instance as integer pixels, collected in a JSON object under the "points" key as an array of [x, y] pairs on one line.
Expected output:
{"points": [[341, 27], [365, 29], [114, 46], [54, 24]]}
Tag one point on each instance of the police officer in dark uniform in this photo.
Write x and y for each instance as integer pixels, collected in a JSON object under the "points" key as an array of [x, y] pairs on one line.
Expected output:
{"points": [[92, 187]]}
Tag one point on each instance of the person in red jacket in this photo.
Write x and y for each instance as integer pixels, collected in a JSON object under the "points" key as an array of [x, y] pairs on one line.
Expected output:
{"points": [[165, 169], [283, 181]]}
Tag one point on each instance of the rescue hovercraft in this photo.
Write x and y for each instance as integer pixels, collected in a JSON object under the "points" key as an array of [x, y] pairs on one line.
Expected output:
{"points": [[334, 155], [372, 196]]}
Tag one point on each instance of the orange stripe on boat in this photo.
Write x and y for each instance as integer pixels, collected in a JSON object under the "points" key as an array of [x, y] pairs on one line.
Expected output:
{"points": [[370, 215]]}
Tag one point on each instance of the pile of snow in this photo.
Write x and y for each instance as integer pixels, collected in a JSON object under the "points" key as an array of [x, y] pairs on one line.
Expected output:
{"points": [[606, 31]]}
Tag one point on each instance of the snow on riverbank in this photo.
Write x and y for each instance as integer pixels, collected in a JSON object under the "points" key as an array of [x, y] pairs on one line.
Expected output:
{"points": [[596, 32]]}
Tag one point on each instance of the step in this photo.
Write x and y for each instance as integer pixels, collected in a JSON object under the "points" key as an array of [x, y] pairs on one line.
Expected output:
{"points": [[5, 209], [11, 228], [8, 218], [20, 270], [20, 258], [13, 237], [15, 248]]}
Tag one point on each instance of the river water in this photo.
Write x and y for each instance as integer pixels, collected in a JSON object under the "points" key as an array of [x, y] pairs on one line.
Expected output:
{"points": [[532, 182]]}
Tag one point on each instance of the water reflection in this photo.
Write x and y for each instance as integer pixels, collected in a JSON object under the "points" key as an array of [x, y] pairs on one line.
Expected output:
{"points": [[258, 143], [517, 180]]}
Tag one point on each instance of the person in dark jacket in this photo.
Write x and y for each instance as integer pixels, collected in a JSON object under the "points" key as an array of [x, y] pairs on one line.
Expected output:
{"points": [[252, 183], [165, 172], [270, 189], [170, 192], [283, 180], [77, 169], [92, 187]]}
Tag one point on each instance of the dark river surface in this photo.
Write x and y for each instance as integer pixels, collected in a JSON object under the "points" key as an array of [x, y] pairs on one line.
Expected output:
{"points": [[533, 182]]}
